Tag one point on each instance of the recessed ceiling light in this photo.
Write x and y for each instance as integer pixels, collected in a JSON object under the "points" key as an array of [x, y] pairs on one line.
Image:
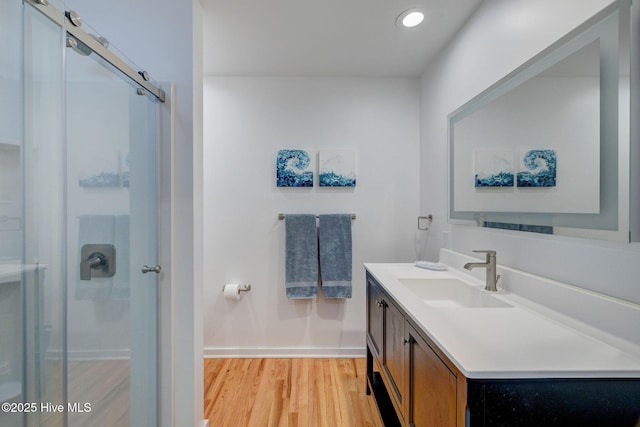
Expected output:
{"points": [[410, 18]]}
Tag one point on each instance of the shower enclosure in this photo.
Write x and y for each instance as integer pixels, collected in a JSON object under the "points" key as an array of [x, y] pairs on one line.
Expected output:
{"points": [[79, 132]]}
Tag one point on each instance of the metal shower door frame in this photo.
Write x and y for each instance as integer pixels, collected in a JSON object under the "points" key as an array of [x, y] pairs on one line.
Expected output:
{"points": [[72, 24]]}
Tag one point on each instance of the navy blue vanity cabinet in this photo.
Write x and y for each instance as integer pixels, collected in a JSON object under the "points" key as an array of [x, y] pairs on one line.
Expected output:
{"points": [[584, 402]]}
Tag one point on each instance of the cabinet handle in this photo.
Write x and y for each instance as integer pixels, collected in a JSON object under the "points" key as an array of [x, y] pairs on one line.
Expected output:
{"points": [[405, 341], [380, 303]]}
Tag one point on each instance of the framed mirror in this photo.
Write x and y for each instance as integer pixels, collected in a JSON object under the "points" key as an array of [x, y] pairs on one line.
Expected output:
{"points": [[546, 149]]}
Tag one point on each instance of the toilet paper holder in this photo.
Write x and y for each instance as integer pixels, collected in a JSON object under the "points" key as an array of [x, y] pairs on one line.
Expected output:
{"points": [[241, 288]]}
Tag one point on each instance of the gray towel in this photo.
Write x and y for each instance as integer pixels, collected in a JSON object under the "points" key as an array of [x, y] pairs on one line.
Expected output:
{"points": [[122, 277], [301, 257], [335, 255]]}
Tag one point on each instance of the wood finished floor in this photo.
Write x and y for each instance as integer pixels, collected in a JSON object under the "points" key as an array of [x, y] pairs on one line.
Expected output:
{"points": [[102, 383], [255, 392]]}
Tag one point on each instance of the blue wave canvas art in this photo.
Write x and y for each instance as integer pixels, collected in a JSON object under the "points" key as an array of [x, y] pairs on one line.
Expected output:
{"points": [[537, 169], [337, 168], [294, 169], [494, 168]]}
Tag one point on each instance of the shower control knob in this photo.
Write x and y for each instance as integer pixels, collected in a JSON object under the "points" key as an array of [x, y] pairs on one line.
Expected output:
{"points": [[146, 269]]}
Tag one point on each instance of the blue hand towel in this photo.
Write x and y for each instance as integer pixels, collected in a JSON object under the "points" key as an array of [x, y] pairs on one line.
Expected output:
{"points": [[335, 255], [301, 257]]}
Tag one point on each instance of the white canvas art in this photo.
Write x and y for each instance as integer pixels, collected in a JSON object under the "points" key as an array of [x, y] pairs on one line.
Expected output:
{"points": [[494, 168], [337, 168]]}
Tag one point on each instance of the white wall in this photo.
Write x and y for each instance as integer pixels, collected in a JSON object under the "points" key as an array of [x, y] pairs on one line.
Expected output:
{"points": [[247, 120], [498, 38]]}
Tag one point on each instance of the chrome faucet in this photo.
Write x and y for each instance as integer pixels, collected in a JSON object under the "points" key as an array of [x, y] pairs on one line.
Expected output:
{"points": [[490, 265]]}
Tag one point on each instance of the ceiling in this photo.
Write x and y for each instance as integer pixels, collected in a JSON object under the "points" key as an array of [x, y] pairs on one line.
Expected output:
{"points": [[326, 37]]}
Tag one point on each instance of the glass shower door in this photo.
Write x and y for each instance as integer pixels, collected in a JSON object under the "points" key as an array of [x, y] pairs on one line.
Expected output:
{"points": [[11, 216], [78, 221], [112, 224]]}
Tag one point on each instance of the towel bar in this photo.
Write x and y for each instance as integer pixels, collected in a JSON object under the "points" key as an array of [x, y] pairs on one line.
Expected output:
{"points": [[282, 216]]}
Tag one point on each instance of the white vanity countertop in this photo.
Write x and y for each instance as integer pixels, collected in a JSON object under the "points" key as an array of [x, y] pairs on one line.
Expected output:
{"points": [[523, 341]]}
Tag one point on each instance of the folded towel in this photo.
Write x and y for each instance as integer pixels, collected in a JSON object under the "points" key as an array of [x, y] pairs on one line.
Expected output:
{"points": [[335, 255], [94, 229], [301, 257]]}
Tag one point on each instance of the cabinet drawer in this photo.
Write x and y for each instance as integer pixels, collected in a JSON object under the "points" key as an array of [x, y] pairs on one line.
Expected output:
{"points": [[394, 354]]}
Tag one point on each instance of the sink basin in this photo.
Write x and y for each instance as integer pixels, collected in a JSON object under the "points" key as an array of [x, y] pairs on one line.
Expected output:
{"points": [[451, 293]]}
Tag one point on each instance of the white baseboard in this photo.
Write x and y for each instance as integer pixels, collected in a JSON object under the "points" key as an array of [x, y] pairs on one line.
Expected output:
{"points": [[214, 352], [77, 355], [83, 355], [205, 423]]}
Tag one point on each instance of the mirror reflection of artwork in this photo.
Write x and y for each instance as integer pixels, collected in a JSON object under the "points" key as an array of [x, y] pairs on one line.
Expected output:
{"points": [[294, 169], [549, 106], [537, 168], [337, 168], [494, 168]]}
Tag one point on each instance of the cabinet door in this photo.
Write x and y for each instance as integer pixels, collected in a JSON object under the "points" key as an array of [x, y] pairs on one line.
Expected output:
{"points": [[394, 354], [432, 386], [375, 318]]}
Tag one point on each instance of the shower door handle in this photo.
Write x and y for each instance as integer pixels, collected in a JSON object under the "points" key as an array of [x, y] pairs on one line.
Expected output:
{"points": [[147, 269]]}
